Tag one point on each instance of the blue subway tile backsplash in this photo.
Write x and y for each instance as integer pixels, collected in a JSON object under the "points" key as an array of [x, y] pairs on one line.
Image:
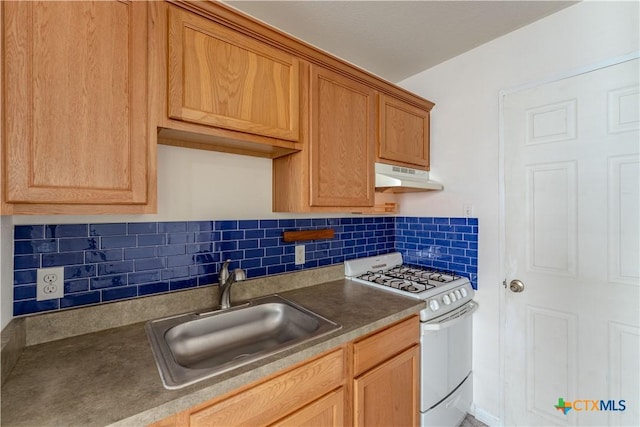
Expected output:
{"points": [[110, 262]]}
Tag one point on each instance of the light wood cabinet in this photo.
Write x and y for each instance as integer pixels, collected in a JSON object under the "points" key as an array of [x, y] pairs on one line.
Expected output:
{"points": [[286, 394], [403, 133], [328, 411], [387, 376], [76, 125], [334, 171], [223, 89]]}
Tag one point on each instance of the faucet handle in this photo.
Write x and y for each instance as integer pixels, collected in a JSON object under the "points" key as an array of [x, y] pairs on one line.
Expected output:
{"points": [[223, 275], [239, 275]]}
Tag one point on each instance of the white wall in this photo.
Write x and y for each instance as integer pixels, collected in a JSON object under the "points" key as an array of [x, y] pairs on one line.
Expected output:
{"points": [[465, 141]]}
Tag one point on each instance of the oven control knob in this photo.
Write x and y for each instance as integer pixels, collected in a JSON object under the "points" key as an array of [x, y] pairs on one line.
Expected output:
{"points": [[433, 304], [453, 297], [463, 291], [458, 294], [446, 300]]}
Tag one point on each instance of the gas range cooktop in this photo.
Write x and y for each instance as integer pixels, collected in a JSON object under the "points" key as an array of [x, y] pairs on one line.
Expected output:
{"points": [[388, 272]]}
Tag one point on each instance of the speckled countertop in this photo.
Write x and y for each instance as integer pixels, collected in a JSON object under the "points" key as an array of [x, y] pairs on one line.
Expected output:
{"points": [[110, 377]]}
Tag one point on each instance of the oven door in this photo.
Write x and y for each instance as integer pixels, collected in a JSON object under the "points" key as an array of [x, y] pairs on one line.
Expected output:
{"points": [[445, 354]]}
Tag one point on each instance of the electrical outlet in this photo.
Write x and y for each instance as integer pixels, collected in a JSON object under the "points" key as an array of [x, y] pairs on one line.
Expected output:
{"points": [[468, 210], [50, 283], [300, 254]]}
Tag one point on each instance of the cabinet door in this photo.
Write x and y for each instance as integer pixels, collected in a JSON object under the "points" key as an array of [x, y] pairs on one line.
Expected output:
{"points": [[327, 411], [388, 394], [342, 140], [404, 133], [76, 102], [219, 77]]}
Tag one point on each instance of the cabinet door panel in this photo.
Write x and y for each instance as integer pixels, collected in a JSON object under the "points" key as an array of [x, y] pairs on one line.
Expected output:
{"points": [[342, 140], [221, 78], [76, 102], [388, 395], [404, 133]]}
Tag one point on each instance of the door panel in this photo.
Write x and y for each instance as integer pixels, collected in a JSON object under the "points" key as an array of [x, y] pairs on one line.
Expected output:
{"points": [[572, 231]]}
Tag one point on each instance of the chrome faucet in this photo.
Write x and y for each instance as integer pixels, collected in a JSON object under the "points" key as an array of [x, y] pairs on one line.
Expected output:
{"points": [[225, 280]]}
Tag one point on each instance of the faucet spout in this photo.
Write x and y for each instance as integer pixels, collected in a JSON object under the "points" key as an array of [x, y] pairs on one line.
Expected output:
{"points": [[227, 279]]}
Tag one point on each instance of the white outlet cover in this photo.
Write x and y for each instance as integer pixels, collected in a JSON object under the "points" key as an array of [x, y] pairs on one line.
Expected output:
{"points": [[300, 255], [50, 283]]}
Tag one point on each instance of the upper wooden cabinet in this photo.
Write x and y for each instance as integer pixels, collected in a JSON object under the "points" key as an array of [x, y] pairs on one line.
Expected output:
{"points": [[334, 170], [342, 140], [76, 129], [403, 133], [219, 77]]}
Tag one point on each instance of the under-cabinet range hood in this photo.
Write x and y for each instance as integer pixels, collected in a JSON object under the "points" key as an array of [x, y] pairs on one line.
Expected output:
{"points": [[399, 179]]}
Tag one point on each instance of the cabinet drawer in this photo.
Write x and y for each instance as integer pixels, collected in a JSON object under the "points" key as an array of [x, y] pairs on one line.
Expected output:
{"points": [[383, 345], [266, 402]]}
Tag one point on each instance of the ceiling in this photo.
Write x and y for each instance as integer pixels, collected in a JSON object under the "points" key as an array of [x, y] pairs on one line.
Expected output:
{"points": [[397, 39]]}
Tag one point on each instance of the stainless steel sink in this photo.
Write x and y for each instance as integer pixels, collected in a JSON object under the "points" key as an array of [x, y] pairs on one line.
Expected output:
{"points": [[192, 347]]}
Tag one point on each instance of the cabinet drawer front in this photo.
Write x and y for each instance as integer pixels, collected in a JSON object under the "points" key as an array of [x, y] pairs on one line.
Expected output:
{"points": [[221, 78], [328, 411], [383, 345], [268, 401]]}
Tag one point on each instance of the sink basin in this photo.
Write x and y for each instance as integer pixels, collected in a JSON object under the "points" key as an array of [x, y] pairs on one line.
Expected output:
{"points": [[192, 347]]}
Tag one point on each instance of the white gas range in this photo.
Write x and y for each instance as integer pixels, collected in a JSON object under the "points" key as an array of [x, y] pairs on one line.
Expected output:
{"points": [[446, 321]]}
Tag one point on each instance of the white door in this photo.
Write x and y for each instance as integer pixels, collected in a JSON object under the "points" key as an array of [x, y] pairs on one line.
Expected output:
{"points": [[572, 233]]}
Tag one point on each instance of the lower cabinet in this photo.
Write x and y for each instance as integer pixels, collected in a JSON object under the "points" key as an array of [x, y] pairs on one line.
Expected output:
{"points": [[373, 381]]}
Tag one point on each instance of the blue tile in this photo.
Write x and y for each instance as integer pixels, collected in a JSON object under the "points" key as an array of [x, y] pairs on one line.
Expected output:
{"points": [[254, 234], [152, 239], [254, 253], [472, 221], [66, 230], [250, 263], [79, 271], [138, 253], [202, 269], [103, 256], [176, 238], [226, 225], [150, 264], [207, 236], [142, 228], [172, 227], [153, 288], [199, 248], [23, 277], [23, 247], [78, 244], [256, 272], [73, 286], [319, 222], [183, 284], [107, 229], [115, 242], [458, 221], [441, 220], [63, 258], [171, 250], [144, 277], [245, 224], [175, 273], [233, 235], [471, 237], [265, 243], [108, 281], [273, 232], [276, 269], [179, 260], [24, 292], [284, 223], [22, 262], [76, 300], [248, 244], [207, 258], [115, 268], [269, 223], [227, 246], [28, 232], [119, 293], [198, 226], [271, 251], [208, 279], [32, 306]]}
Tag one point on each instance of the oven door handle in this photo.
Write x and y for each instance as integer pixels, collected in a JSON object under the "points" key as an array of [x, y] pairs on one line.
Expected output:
{"points": [[467, 310]]}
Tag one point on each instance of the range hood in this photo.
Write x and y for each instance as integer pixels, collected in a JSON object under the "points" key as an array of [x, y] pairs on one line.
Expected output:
{"points": [[399, 179]]}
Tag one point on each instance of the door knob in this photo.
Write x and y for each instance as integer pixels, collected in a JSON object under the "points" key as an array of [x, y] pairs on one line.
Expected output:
{"points": [[516, 286]]}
